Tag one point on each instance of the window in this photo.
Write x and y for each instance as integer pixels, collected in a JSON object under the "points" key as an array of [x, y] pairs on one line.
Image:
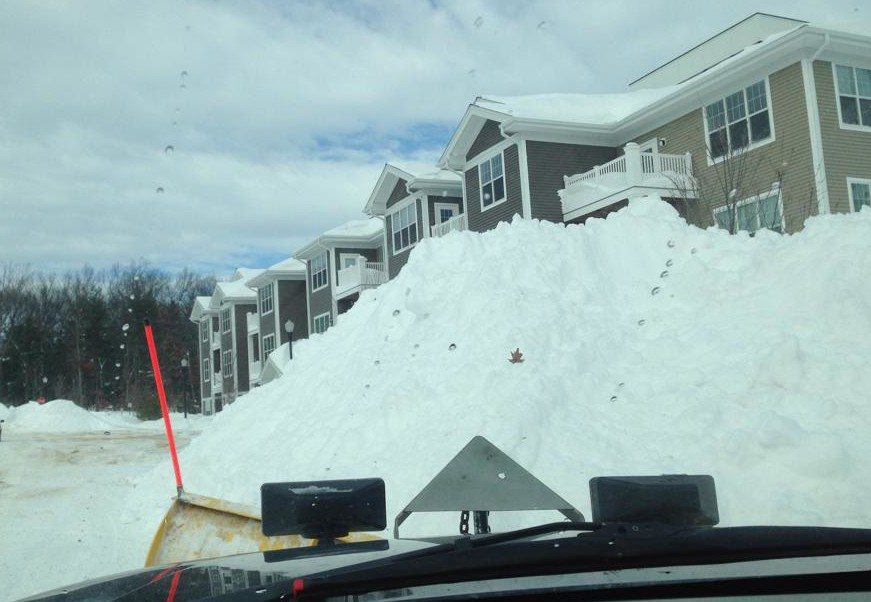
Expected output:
{"points": [[860, 193], [854, 95], [738, 121], [266, 294], [348, 260], [322, 322], [204, 330], [319, 272], [225, 320], [255, 347], [750, 215], [268, 346], [492, 181], [404, 226], [227, 364], [207, 374], [444, 212]]}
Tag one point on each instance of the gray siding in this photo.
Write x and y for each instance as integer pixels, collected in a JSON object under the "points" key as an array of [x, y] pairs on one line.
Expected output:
{"points": [[320, 301], [847, 153], [787, 158], [267, 322], [548, 162], [487, 137], [480, 221], [241, 354], [205, 352], [432, 200], [396, 262], [398, 193], [229, 387], [291, 306], [369, 254]]}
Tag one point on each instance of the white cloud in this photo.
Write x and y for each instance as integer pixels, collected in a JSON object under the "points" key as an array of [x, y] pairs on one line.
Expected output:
{"points": [[288, 110]]}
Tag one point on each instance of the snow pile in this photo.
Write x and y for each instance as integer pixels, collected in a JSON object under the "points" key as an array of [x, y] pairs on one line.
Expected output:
{"points": [[56, 416], [650, 347]]}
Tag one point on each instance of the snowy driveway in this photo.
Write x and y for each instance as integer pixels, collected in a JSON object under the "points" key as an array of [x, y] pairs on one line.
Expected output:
{"points": [[62, 514]]}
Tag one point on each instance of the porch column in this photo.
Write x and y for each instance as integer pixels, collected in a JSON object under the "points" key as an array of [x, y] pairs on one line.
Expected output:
{"points": [[633, 163]]}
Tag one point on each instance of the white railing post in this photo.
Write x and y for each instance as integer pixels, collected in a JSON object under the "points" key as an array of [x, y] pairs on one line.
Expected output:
{"points": [[688, 161], [633, 163]]}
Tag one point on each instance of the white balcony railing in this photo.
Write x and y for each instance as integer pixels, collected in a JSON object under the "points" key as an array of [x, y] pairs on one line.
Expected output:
{"points": [[217, 381], [252, 322], [363, 274], [216, 340], [254, 371], [455, 224], [632, 174]]}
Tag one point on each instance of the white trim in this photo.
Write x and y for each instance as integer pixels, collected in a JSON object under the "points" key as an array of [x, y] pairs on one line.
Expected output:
{"points": [[652, 144], [235, 351], [775, 189], [333, 273], [207, 322], [525, 197], [312, 271], [850, 182], [402, 206], [489, 152], [752, 145], [228, 321], [263, 355], [343, 256], [260, 298], [816, 136], [206, 372], [436, 207], [308, 299], [424, 214], [504, 177], [315, 320], [278, 327], [856, 127]]}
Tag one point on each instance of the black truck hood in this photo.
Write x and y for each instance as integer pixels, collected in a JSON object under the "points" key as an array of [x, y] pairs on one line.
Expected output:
{"points": [[385, 564]]}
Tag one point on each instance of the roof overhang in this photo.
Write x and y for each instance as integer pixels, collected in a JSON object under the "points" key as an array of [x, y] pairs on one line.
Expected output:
{"points": [[325, 242], [438, 185], [390, 175], [221, 296], [201, 309], [272, 274], [708, 86]]}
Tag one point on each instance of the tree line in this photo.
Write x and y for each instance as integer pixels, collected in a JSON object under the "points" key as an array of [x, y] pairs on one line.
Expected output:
{"points": [[79, 336]]}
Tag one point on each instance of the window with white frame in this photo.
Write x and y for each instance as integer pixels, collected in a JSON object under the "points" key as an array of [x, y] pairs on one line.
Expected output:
{"points": [[403, 224], [225, 320], [266, 294], [854, 95], [207, 374], [443, 212], [860, 193], [753, 214], [255, 347], [738, 121], [492, 177], [319, 275], [227, 364], [321, 323], [204, 330], [268, 346]]}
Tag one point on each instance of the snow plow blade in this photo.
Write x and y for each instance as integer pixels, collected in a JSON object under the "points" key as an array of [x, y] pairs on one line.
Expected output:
{"points": [[197, 526]]}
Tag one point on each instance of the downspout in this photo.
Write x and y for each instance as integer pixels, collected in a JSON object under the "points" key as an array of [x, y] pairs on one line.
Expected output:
{"points": [[818, 165]]}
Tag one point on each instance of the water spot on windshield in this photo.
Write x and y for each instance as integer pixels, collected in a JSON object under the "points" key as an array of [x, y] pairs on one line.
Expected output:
{"points": [[169, 149]]}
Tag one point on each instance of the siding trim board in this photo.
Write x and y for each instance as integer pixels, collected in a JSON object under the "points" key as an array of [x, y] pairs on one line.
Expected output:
{"points": [[813, 117], [525, 199]]}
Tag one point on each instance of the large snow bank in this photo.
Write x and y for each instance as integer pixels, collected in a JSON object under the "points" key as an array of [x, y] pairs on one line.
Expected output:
{"points": [[650, 347]]}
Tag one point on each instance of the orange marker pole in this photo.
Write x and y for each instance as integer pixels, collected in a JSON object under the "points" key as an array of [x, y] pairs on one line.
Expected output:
{"points": [[161, 394]]}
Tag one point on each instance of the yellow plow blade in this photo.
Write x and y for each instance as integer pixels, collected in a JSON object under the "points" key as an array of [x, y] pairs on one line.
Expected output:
{"points": [[197, 526]]}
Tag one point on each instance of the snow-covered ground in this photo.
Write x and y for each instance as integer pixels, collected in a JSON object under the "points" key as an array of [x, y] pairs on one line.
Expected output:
{"points": [[63, 488], [650, 347]]}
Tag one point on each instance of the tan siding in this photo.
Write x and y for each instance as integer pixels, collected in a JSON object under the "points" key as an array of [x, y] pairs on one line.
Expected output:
{"points": [[847, 153], [787, 158]]}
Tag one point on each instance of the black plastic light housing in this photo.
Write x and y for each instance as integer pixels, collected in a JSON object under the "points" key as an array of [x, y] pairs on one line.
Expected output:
{"points": [[680, 500], [323, 510]]}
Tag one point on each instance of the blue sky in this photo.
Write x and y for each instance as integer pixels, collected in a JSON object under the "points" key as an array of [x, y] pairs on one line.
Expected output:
{"points": [[287, 112]]}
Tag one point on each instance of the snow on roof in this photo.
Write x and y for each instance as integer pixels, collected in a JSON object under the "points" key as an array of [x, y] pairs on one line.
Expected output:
{"points": [[288, 265], [357, 228], [237, 288], [604, 109], [246, 274], [575, 108], [440, 174]]}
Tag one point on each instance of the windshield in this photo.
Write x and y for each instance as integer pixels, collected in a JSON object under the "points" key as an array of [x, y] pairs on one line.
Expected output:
{"points": [[621, 239]]}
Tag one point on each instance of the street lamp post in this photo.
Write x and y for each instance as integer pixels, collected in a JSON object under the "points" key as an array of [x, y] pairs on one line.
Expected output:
{"points": [[288, 328], [184, 393]]}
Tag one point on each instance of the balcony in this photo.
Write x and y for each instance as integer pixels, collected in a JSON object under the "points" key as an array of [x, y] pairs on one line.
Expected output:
{"points": [[631, 175], [217, 382], [254, 372], [455, 224], [215, 340], [359, 276], [252, 322]]}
